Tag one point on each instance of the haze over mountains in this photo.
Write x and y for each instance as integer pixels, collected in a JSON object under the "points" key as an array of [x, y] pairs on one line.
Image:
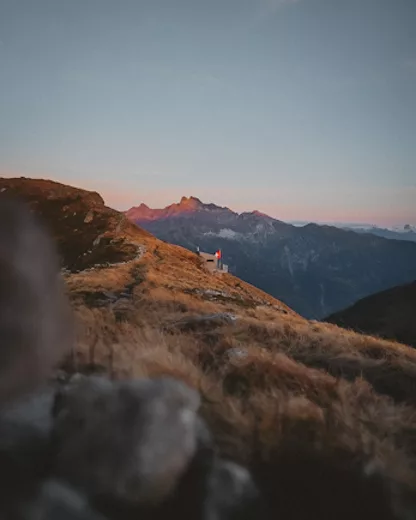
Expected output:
{"points": [[316, 270], [406, 232]]}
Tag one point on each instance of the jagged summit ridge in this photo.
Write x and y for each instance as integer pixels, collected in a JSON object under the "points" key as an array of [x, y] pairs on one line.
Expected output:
{"points": [[186, 205], [191, 201]]}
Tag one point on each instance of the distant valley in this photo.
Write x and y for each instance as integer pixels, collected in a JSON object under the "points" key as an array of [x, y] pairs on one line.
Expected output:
{"points": [[316, 270]]}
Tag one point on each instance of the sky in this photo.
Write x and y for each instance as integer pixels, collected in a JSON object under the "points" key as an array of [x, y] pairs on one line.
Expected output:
{"points": [[302, 109]]}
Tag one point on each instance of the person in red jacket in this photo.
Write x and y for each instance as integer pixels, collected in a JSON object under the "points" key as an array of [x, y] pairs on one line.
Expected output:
{"points": [[218, 256]]}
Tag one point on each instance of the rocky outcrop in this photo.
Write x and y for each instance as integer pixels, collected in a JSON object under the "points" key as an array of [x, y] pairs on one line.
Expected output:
{"points": [[88, 234]]}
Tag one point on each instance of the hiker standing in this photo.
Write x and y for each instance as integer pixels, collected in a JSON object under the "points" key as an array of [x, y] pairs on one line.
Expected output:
{"points": [[218, 257]]}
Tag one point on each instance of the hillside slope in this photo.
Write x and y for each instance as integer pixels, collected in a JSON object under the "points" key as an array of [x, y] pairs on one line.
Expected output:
{"points": [[316, 270], [389, 314], [92, 236], [289, 397]]}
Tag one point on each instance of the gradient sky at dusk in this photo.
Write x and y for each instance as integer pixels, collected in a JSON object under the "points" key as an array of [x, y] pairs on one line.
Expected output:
{"points": [[303, 109]]}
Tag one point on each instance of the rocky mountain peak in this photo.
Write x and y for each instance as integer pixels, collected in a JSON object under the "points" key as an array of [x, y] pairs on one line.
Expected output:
{"points": [[191, 203], [258, 213]]}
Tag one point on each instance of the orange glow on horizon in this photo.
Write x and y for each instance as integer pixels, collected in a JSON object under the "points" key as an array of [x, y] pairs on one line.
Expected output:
{"points": [[122, 197]]}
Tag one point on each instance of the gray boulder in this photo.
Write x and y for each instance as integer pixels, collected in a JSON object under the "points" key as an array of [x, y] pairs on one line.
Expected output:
{"points": [[128, 440]]}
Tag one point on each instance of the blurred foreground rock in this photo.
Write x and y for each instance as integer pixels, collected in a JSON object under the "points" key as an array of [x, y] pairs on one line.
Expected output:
{"points": [[94, 448]]}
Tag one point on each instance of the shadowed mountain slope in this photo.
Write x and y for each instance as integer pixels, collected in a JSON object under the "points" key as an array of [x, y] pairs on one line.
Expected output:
{"points": [[389, 314]]}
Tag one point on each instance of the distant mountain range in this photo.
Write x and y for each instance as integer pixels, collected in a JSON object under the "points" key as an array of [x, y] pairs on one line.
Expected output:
{"points": [[317, 270], [389, 314], [406, 232]]}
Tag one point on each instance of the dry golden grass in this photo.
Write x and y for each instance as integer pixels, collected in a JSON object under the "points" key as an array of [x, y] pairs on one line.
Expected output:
{"points": [[300, 384], [264, 405], [304, 386]]}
